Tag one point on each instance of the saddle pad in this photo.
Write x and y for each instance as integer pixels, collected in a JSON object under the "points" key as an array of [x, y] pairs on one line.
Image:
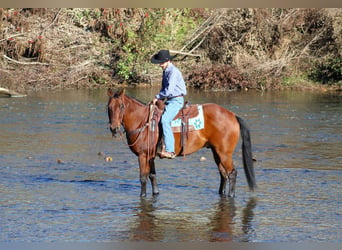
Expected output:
{"points": [[194, 123]]}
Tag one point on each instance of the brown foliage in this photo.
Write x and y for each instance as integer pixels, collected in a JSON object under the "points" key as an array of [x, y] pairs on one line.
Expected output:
{"points": [[270, 44], [112, 23], [221, 77]]}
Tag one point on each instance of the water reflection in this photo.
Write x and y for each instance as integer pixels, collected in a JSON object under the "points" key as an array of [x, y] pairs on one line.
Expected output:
{"points": [[222, 223], [247, 218], [145, 224], [219, 224]]}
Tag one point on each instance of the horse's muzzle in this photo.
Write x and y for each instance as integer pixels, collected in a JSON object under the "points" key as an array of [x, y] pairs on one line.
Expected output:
{"points": [[113, 130]]}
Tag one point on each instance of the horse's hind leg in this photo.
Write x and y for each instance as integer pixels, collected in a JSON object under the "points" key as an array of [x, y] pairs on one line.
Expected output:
{"points": [[223, 173], [232, 181], [223, 183], [227, 162], [227, 172]]}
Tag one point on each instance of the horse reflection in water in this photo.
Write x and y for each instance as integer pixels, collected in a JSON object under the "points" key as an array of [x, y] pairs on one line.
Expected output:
{"points": [[154, 224], [221, 134], [223, 224]]}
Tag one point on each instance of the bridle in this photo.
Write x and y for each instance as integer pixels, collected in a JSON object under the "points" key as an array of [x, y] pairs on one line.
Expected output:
{"points": [[131, 132], [117, 128]]}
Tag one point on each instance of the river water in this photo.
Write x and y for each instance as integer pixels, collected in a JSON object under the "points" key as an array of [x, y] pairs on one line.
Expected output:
{"points": [[54, 187]]}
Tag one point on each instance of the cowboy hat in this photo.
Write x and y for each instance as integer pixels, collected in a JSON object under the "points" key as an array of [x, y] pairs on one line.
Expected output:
{"points": [[161, 57]]}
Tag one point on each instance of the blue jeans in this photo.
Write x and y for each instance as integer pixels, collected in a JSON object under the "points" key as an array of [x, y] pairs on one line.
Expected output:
{"points": [[171, 110]]}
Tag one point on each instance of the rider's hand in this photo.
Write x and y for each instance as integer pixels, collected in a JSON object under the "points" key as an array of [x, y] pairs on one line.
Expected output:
{"points": [[154, 101]]}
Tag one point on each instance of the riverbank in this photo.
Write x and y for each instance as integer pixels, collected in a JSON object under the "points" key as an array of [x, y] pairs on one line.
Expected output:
{"points": [[20, 90], [216, 49]]}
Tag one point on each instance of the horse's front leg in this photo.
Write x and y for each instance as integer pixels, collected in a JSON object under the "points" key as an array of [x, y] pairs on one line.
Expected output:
{"points": [[144, 173], [153, 177], [147, 171]]}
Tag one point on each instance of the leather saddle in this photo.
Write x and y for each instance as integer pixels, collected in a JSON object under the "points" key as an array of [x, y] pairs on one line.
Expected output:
{"points": [[187, 111]]}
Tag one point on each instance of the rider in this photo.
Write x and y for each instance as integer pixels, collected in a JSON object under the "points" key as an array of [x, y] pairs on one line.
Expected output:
{"points": [[173, 89]]}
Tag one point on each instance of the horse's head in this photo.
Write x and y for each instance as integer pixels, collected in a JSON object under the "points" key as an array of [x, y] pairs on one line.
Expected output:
{"points": [[116, 108]]}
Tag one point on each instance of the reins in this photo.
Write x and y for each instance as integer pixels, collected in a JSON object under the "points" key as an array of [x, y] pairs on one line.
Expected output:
{"points": [[140, 130]]}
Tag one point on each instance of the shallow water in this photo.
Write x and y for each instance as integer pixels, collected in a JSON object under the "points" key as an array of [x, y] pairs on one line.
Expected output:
{"points": [[297, 141]]}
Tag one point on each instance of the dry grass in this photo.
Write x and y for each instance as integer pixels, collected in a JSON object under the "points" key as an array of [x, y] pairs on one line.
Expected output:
{"points": [[50, 52], [268, 45]]}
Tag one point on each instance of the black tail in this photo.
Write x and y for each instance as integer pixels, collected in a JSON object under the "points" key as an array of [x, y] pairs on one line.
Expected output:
{"points": [[247, 153]]}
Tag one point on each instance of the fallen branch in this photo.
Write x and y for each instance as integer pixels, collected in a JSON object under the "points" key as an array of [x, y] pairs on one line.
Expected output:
{"points": [[10, 93], [195, 37], [25, 63], [184, 53], [204, 29]]}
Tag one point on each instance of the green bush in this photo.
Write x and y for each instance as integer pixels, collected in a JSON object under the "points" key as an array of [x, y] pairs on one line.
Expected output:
{"points": [[152, 30], [328, 71]]}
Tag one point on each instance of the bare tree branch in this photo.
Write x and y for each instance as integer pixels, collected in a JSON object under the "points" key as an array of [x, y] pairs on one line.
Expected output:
{"points": [[25, 63], [184, 53]]}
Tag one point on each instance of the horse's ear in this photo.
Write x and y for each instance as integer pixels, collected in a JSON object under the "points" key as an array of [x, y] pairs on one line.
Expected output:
{"points": [[121, 92], [110, 92]]}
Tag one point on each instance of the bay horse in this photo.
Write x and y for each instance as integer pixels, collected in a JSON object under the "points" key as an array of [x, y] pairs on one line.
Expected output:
{"points": [[221, 134]]}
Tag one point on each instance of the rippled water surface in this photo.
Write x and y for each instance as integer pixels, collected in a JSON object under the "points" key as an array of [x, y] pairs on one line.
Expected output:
{"points": [[55, 187]]}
